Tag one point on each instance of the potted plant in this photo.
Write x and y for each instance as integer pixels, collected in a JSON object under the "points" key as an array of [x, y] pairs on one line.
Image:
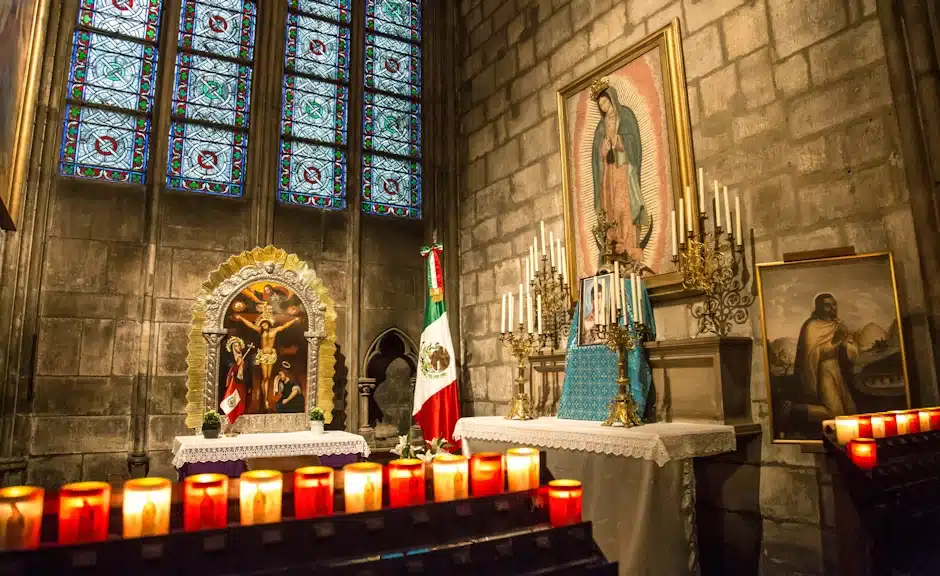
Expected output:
{"points": [[211, 424], [316, 420]]}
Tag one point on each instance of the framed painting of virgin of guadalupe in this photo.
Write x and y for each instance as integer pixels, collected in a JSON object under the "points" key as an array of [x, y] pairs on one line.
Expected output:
{"points": [[627, 150]]}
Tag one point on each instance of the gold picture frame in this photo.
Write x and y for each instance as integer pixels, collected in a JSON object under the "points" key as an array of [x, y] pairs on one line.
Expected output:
{"points": [[670, 115], [22, 37], [864, 370]]}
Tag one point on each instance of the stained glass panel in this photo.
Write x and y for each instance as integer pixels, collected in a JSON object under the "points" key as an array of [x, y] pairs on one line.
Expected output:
{"points": [[204, 159], [333, 9], [211, 89], [401, 18], [113, 72], [223, 27], [134, 18], [104, 145], [314, 110], [312, 175], [391, 125], [391, 186], [393, 65], [115, 69], [317, 48]]}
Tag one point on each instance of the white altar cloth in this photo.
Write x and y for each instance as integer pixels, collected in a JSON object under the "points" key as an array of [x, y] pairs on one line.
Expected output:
{"points": [[639, 483], [189, 449], [660, 442]]}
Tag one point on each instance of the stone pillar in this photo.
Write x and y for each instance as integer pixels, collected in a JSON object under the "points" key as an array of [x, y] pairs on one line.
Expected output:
{"points": [[366, 389]]}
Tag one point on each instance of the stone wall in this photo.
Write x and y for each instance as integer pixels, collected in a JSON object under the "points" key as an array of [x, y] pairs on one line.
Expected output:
{"points": [[790, 105]]}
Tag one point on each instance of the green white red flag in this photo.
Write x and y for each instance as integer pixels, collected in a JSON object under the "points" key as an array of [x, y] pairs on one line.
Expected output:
{"points": [[437, 403]]}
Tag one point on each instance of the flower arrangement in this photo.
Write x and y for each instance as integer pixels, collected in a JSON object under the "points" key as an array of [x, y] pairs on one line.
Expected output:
{"points": [[316, 414], [211, 424], [405, 448]]}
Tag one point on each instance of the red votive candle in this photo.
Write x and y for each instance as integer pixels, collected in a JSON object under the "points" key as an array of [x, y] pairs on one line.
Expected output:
{"points": [[205, 502], [486, 474], [313, 491], [20, 517], [864, 427], [934, 419], [883, 426], [863, 453], [83, 512], [564, 502], [405, 482]]}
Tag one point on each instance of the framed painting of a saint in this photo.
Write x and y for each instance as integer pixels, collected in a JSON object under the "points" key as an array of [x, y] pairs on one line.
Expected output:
{"points": [[832, 340], [595, 296], [627, 150]]}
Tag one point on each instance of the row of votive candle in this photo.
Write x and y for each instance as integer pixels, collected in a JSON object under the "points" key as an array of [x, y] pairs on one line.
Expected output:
{"points": [[84, 507], [886, 424]]}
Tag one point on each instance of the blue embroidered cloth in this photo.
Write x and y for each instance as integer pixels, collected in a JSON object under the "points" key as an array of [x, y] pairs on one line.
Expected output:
{"points": [[591, 371]]}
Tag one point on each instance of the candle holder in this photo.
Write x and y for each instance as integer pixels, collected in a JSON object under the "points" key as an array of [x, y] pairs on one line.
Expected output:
{"points": [[712, 263], [20, 517], [549, 283], [521, 344], [619, 338], [146, 510]]}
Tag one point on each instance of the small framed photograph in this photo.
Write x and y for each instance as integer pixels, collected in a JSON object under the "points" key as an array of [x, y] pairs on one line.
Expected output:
{"points": [[594, 290]]}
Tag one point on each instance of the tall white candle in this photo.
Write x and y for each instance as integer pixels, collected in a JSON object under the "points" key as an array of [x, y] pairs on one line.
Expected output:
{"points": [[510, 325], [681, 220], [543, 237], [688, 208], [538, 312], [724, 192], [551, 247], [597, 312], [528, 273], [521, 304], [564, 265], [612, 304], [623, 303], [502, 321], [535, 253], [615, 295], [528, 313], [701, 190], [717, 207], [636, 298], [675, 233], [737, 219], [639, 300], [558, 252]]}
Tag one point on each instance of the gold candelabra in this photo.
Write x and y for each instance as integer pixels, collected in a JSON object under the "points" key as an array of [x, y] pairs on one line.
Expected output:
{"points": [[604, 244], [621, 339], [712, 263], [521, 344], [550, 284]]}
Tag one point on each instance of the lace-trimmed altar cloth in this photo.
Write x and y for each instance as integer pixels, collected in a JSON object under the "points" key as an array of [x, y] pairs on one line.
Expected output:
{"points": [[660, 442], [190, 449]]}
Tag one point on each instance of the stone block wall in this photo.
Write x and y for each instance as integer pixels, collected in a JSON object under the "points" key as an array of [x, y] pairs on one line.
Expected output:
{"points": [[790, 105]]}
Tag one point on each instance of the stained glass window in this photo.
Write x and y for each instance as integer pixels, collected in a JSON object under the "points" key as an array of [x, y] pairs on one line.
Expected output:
{"points": [[312, 170], [211, 97], [391, 119], [110, 91]]}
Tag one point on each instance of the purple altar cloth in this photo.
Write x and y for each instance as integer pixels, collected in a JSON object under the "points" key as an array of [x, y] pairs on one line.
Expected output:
{"points": [[234, 468]]}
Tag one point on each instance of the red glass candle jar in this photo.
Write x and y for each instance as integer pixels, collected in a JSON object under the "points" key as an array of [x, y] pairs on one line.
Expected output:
{"points": [[907, 423], [564, 502], [883, 425], [864, 427], [486, 474], [406, 482], [863, 453], [205, 502], [313, 491], [20, 517], [83, 512]]}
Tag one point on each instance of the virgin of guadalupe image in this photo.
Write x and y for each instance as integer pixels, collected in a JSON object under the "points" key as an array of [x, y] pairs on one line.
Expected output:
{"points": [[616, 160]]}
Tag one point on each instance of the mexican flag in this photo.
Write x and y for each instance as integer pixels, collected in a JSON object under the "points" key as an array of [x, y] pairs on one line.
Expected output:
{"points": [[437, 405]]}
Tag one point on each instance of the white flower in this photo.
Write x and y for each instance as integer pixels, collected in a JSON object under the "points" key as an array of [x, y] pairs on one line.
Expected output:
{"points": [[426, 456], [401, 447]]}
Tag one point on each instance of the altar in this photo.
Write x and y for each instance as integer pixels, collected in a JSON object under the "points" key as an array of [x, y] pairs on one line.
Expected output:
{"points": [[639, 485], [229, 455]]}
